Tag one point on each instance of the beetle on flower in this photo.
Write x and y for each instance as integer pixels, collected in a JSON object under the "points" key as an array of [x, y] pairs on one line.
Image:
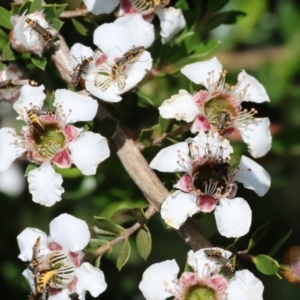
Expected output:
{"points": [[53, 141], [219, 106], [61, 252], [209, 183]]}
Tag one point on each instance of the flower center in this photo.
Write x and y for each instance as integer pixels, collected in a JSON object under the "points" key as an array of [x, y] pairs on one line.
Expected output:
{"points": [[202, 292], [220, 112], [49, 142], [212, 177]]}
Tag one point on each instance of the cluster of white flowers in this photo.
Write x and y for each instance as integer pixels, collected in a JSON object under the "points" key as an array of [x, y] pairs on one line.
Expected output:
{"points": [[50, 141], [209, 180]]}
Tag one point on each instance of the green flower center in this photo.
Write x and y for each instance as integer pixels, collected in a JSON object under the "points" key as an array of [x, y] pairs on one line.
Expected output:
{"points": [[197, 292], [50, 141]]}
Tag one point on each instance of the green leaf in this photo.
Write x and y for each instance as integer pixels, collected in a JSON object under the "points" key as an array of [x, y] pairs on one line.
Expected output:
{"points": [[36, 5], [2, 66], [122, 216], [144, 242], [7, 53], [79, 27], [94, 244], [183, 5], [139, 215], [59, 8], [164, 124], [258, 235], [5, 18], [69, 173], [15, 7], [108, 226], [230, 17], [123, 255], [56, 23], [266, 264], [97, 262], [29, 168], [143, 99], [216, 5], [279, 243], [39, 62]]}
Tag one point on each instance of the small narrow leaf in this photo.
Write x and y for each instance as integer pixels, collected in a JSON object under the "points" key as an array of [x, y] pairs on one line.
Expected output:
{"points": [[36, 5], [216, 5], [97, 262], [258, 235], [5, 18], [139, 215], [59, 8], [56, 23], [7, 53], [29, 168], [39, 62], [94, 244], [144, 242], [279, 243], [79, 27], [123, 255], [107, 225], [122, 216], [266, 264]]}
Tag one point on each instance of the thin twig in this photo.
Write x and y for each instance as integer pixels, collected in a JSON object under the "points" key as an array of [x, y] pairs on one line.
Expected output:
{"points": [[74, 13], [128, 232]]}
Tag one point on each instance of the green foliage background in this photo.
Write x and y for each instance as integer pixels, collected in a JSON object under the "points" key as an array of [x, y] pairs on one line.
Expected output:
{"points": [[266, 44]]}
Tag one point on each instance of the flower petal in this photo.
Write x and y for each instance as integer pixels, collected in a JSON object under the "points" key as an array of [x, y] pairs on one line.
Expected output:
{"points": [[245, 286], [212, 142], [88, 151], [142, 32], [45, 185], [178, 207], [180, 107], [233, 217], [98, 7], [73, 107], [30, 96], [71, 233], [253, 176], [79, 52], [255, 92], [200, 72], [90, 279], [170, 158], [171, 22], [200, 124], [26, 240], [108, 95], [9, 149], [113, 40], [257, 136], [159, 279]]}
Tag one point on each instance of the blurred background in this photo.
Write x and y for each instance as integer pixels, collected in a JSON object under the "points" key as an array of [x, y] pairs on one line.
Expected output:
{"points": [[266, 43]]}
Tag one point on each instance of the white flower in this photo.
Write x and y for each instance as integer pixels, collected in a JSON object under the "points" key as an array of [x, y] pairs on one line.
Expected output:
{"points": [[61, 252], [98, 7], [49, 139], [32, 33], [160, 281], [106, 79], [171, 19], [219, 106], [8, 91], [208, 183]]}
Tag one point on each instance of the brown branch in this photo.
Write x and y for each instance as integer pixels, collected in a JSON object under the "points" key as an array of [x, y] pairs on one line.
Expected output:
{"points": [[74, 13], [134, 162], [128, 232]]}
